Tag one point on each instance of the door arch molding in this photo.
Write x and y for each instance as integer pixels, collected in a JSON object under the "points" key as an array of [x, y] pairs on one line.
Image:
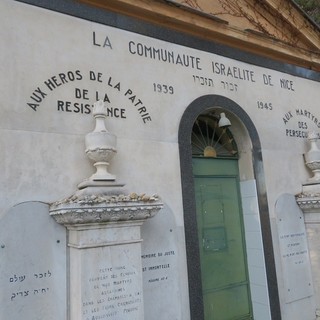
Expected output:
{"points": [[191, 113]]}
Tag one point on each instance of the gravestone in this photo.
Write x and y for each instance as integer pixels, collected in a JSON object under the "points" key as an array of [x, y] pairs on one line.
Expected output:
{"points": [[32, 264], [295, 261]]}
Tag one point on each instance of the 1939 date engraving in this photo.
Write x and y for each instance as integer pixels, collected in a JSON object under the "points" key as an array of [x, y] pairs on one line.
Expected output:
{"points": [[163, 88]]}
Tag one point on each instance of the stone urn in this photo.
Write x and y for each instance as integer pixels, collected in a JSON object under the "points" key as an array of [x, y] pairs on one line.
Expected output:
{"points": [[312, 157], [100, 145]]}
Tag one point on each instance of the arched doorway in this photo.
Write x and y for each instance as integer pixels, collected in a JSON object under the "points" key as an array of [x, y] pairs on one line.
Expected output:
{"points": [[215, 236], [222, 248]]}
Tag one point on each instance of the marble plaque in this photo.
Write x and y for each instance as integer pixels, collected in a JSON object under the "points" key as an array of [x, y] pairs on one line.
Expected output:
{"points": [[32, 264], [160, 268], [295, 262], [111, 288], [105, 272]]}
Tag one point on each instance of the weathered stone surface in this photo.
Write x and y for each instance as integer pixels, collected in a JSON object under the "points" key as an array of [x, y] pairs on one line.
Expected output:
{"points": [[294, 250], [32, 264]]}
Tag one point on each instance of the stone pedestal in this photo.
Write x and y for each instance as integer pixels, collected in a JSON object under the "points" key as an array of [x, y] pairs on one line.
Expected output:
{"points": [[309, 202], [104, 239], [105, 272]]}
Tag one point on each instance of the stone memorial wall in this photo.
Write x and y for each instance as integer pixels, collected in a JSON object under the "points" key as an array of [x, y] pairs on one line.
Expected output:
{"points": [[54, 66]]}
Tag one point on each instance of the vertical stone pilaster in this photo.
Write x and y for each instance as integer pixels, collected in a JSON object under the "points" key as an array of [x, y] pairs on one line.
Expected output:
{"points": [[309, 202]]}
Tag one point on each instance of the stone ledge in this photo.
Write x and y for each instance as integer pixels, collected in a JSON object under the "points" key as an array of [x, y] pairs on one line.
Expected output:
{"points": [[308, 202], [102, 208]]}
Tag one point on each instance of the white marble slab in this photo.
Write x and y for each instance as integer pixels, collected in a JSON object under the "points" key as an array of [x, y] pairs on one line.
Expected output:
{"points": [[32, 264], [295, 261], [106, 271]]}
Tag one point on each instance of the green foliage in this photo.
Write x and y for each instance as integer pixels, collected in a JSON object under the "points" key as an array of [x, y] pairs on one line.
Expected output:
{"points": [[312, 8]]}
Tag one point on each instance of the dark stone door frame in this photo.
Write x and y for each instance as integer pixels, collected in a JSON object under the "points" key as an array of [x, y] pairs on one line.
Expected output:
{"points": [[193, 259]]}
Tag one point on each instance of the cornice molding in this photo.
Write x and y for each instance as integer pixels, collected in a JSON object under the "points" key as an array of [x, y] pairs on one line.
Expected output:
{"points": [[308, 202], [295, 17], [209, 28], [104, 208]]}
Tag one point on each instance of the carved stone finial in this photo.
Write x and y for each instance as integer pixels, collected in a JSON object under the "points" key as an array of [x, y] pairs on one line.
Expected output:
{"points": [[312, 158], [100, 149], [99, 108], [100, 199]]}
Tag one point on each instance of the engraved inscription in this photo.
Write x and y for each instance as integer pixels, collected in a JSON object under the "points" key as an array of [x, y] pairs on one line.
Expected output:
{"points": [[299, 122], [113, 292], [156, 265], [203, 81], [79, 103], [28, 284], [293, 247]]}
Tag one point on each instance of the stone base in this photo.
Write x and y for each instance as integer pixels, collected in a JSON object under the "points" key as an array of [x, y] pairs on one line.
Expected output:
{"points": [[100, 183], [311, 188]]}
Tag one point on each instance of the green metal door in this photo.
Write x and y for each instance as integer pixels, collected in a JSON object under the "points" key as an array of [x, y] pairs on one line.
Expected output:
{"points": [[225, 285]]}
